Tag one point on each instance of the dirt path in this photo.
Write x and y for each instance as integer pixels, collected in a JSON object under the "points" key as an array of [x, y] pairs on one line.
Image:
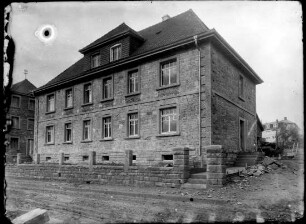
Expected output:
{"points": [[276, 196]]}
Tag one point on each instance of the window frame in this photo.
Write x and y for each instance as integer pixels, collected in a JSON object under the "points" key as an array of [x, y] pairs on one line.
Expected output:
{"points": [[90, 130], [112, 86], [27, 146], [160, 64], [103, 138], [92, 61], [53, 134], [87, 103], [18, 147], [65, 134], [72, 95], [19, 104], [30, 103], [28, 124], [128, 93], [13, 122], [165, 107], [128, 136], [50, 94], [111, 58], [241, 91]]}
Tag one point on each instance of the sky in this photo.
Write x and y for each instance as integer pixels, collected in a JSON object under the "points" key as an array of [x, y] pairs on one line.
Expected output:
{"points": [[268, 35]]}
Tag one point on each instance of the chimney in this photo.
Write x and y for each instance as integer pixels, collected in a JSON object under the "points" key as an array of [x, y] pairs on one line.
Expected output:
{"points": [[285, 118], [165, 17]]}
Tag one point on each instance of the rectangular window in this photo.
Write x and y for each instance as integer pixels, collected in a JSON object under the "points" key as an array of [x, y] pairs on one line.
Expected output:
{"points": [[68, 132], [66, 158], [169, 120], [168, 74], [107, 88], [107, 127], [51, 103], [30, 147], [14, 143], [86, 130], [133, 82], [85, 158], [115, 52], [50, 134], [68, 98], [30, 124], [87, 93], [31, 105], [95, 60], [15, 101], [48, 159], [133, 126], [15, 122], [241, 89]]}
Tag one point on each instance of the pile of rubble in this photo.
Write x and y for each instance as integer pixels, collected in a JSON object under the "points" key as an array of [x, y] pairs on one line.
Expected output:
{"points": [[266, 166]]}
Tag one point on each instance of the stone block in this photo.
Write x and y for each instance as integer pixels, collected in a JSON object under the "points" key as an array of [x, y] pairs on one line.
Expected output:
{"points": [[215, 161], [36, 216]]}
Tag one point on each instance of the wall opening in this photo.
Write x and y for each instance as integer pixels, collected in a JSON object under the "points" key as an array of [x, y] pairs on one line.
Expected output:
{"points": [[167, 157], [105, 158], [85, 158], [134, 157], [48, 159]]}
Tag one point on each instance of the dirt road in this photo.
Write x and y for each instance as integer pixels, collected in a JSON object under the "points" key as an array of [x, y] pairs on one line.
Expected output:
{"points": [[276, 196]]}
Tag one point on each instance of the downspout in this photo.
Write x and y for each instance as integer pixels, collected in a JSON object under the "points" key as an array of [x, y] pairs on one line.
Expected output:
{"points": [[199, 64], [37, 116]]}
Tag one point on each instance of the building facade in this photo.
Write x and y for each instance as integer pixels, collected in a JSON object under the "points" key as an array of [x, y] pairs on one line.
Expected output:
{"points": [[21, 114], [173, 84]]}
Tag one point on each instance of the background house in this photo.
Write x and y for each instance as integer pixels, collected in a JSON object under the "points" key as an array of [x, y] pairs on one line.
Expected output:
{"points": [[176, 83], [21, 114], [283, 132]]}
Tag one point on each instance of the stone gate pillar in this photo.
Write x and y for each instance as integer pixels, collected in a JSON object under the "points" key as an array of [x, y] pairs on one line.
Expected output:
{"points": [[216, 168], [181, 162]]}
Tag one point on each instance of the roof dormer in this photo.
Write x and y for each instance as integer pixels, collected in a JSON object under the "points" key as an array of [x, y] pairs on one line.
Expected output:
{"points": [[119, 43]]}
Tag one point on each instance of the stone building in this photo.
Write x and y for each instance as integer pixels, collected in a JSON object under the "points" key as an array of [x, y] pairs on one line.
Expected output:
{"points": [[21, 114], [176, 83]]}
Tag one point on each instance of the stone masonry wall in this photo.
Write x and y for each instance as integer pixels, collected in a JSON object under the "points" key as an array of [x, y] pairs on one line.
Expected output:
{"points": [[100, 174], [227, 107], [150, 146]]}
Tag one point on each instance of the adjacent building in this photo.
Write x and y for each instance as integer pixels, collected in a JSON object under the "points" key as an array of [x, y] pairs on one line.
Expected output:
{"points": [[272, 129], [174, 84], [21, 114]]}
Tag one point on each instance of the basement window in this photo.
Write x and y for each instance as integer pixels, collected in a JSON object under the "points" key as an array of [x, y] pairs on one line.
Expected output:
{"points": [[85, 158], [66, 158], [48, 159], [105, 158], [134, 157], [167, 157]]}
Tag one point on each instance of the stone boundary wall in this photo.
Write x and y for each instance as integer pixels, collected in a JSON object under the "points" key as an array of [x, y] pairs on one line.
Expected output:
{"points": [[126, 174], [100, 174]]}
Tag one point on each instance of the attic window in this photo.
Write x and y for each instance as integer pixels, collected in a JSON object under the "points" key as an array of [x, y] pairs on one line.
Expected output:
{"points": [[115, 52], [158, 32], [95, 60]]}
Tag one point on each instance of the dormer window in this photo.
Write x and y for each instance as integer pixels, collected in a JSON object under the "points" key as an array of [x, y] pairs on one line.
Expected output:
{"points": [[115, 52], [95, 60]]}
